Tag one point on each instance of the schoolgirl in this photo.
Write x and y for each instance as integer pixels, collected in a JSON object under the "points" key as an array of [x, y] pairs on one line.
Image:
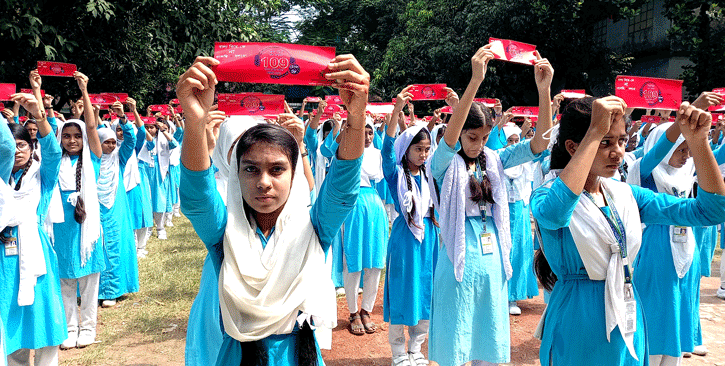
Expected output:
{"points": [[253, 239], [591, 228], [176, 129], [30, 313], [469, 312]]}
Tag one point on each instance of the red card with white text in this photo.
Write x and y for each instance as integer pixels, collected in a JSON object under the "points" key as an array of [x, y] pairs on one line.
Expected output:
{"points": [[272, 63], [447, 109], [512, 51], [50, 68], [178, 109], [313, 99], [30, 91], [428, 91], [6, 90], [649, 93], [488, 102], [149, 120], [574, 94], [163, 108], [175, 102], [380, 108], [130, 116], [651, 119], [525, 111], [121, 97], [251, 104], [102, 99], [719, 108], [330, 111], [333, 99]]}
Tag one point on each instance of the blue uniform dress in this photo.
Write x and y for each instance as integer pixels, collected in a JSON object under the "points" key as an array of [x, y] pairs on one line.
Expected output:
{"points": [[522, 284], [174, 174], [203, 334], [121, 274], [410, 263], [386, 195], [470, 319], [574, 331], [706, 239], [159, 185], [41, 324], [68, 237], [139, 198], [202, 204]]}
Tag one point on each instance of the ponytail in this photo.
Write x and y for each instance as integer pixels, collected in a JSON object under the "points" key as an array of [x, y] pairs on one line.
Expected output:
{"points": [[80, 211], [480, 191], [412, 212], [432, 209], [25, 171]]}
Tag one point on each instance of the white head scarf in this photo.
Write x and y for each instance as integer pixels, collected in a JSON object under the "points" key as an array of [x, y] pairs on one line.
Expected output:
{"points": [[161, 149], [420, 197], [109, 175], [371, 170], [229, 132], [91, 227], [262, 289], [433, 137], [131, 175]]}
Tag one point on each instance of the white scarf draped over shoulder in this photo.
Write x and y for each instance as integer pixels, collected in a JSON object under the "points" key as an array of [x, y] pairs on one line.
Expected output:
{"points": [[452, 211], [420, 197], [91, 227], [676, 182], [600, 252], [131, 175], [110, 171], [229, 132], [263, 290]]}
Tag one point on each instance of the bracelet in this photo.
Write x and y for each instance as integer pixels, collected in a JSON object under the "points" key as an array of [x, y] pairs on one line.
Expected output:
{"points": [[304, 154]]}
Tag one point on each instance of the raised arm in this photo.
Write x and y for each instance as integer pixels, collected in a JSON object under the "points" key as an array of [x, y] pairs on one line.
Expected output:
{"points": [[694, 125], [353, 83], [403, 98], [544, 74], [91, 123]]}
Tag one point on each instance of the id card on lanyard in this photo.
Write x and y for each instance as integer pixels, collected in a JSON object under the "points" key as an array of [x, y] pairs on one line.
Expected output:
{"points": [[10, 241], [486, 238]]}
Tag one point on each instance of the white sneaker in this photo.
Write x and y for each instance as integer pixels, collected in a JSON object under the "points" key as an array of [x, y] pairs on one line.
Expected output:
{"points": [[140, 254], [340, 291], [418, 359], [71, 341], [514, 309], [86, 338], [161, 235], [700, 350], [720, 293], [169, 223], [402, 360], [108, 303]]}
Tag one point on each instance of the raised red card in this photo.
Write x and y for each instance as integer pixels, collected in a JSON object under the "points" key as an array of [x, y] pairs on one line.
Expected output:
{"points": [[447, 109], [313, 99], [272, 63], [178, 110], [130, 116], [330, 111], [102, 99], [6, 90], [721, 107], [251, 104], [488, 102], [30, 91], [121, 97], [428, 91], [574, 94], [333, 99], [380, 108], [50, 68], [149, 120], [525, 111], [163, 108], [175, 102], [651, 119], [649, 93], [512, 51]]}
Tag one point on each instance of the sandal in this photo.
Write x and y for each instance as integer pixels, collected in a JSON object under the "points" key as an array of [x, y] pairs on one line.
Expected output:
{"points": [[402, 360], [356, 329], [370, 326], [418, 359]]}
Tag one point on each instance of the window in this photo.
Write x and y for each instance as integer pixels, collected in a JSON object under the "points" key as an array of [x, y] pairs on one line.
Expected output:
{"points": [[640, 26]]}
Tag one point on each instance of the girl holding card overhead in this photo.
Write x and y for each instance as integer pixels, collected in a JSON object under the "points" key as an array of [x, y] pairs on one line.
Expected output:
{"points": [[269, 259], [469, 312], [591, 228]]}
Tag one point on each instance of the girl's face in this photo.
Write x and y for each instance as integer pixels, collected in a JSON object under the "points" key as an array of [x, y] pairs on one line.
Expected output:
{"points": [[72, 140], [611, 151], [108, 146], [513, 139], [680, 156], [152, 129], [162, 127], [369, 135], [265, 176], [119, 134], [473, 141], [23, 150], [418, 153], [33, 130], [530, 134]]}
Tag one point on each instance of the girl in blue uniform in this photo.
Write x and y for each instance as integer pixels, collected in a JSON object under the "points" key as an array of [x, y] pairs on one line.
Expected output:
{"points": [[30, 313], [469, 311], [413, 245], [591, 231], [269, 259]]}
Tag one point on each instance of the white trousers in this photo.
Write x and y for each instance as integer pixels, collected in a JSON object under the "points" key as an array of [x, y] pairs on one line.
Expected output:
{"points": [[664, 360], [88, 286], [160, 221], [142, 237], [46, 356], [482, 363], [722, 272], [396, 337], [371, 281]]}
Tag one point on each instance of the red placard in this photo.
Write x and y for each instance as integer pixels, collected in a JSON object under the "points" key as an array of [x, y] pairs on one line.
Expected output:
{"points": [[488, 102], [313, 99], [512, 51], [649, 93], [272, 63], [163, 108], [50, 68], [525, 111], [130, 116], [121, 97], [380, 108], [721, 107], [30, 91], [6, 90], [428, 91], [651, 119], [251, 104], [333, 99], [22, 119], [178, 110], [174, 102], [447, 109], [330, 111], [102, 99], [574, 94]]}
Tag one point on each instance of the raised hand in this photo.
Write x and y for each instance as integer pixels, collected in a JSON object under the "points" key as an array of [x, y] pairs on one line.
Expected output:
{"points": [[30, 104], [604, 112], [479, 62], [35, 80], [195, 89], [543, 72], [707, 99], [131, 103], [694, 122], [452, 98], [82, 80], [117, 108], [353, 83], [403, 98]]}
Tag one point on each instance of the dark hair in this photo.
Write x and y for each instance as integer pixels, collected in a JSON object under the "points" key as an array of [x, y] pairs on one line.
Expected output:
{"points": [[270, 134], [422, 135], [21, 133], [80, 212], [575, 121], [326, 127], [441, 132], [30, 120], [478, 116]]}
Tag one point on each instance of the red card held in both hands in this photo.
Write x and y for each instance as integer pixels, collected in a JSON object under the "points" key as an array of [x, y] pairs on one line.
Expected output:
{"points": [[6, 90], [380, 108], [651, 119], [102, 99], [50, 68], [333, 99], [525, 111], [30, 91], [574, 94], [272, 63], [163, 108], [488, 102], [121, 97], [721, 107], [428, 91], [330, 111], [447, 109], [251, 104], [649, 93], [313, 99], [512, 51]]}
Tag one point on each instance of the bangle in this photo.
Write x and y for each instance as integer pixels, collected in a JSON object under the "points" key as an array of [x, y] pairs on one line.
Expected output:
{"points": [[304, 154]]}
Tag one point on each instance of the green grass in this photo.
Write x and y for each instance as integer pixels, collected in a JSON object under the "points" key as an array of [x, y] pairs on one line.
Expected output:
{"points": [[169, 280]]}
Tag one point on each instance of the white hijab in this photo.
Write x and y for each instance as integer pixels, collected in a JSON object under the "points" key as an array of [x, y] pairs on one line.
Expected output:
{"points": [[109, 175], [229, 132], [91, 227], [262, 289], [321, 161], [131, 175], [371, 170], [161, 149], [676, 182], [420, 197]]}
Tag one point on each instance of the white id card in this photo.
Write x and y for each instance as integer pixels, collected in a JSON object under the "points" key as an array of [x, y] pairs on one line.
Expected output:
{"points": [[11, 246], [630, 310], [679, 234], [486, 240]]}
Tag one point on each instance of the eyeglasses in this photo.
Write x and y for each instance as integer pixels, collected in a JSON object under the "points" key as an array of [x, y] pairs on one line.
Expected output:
{"points": [[22, 146]]}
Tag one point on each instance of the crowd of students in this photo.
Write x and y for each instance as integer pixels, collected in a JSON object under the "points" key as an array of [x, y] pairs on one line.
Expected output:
{"points": [[460, 214]]}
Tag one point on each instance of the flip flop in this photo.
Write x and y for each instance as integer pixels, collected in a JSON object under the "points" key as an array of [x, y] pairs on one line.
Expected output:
{"points": [[356, 329], [370, 326]]}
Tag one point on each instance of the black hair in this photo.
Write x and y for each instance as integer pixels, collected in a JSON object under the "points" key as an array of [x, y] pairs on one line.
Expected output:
{"points": [[575, 121], [441, 132], [478, 116], [80, 212], [326, 127], [271, 134], [21, 133], [422, 135]]}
